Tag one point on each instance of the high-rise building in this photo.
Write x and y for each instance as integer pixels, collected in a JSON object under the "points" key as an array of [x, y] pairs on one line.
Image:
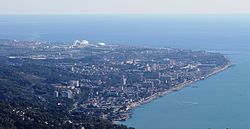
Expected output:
{"points": [[124, 79], [148, 68], [69, 94], [56, 93]]}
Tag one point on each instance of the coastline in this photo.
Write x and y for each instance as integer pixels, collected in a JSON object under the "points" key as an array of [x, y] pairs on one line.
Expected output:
{"points": [[173, 89]]}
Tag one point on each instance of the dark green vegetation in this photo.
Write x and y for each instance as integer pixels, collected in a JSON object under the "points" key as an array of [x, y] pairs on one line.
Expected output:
{"points": [[27, 102]]}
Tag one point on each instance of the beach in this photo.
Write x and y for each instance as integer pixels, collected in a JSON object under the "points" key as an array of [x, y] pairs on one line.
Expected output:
{"points": [[173, 89]]}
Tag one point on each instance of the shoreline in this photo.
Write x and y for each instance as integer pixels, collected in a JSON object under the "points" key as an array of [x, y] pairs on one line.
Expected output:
{"points": [[173, 89]]}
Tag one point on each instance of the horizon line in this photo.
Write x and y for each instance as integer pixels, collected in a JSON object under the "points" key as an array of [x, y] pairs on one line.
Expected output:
{"points": [[247, 13]]}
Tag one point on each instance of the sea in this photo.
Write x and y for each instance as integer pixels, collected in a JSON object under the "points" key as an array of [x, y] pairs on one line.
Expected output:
{"points": [[219, 102]]}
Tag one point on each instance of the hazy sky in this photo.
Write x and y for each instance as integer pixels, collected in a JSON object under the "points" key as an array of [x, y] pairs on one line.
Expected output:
{"points": [[123, 6]]}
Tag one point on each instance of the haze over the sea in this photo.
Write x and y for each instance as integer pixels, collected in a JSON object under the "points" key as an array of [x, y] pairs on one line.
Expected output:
{"points": [[63, 7]]}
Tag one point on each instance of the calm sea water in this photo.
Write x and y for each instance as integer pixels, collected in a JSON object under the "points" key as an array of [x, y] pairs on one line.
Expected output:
{"points": [[220, 101]]}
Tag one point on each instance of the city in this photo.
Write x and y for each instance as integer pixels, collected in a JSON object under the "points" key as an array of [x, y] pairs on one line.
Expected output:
{"points": [[113, 79]]}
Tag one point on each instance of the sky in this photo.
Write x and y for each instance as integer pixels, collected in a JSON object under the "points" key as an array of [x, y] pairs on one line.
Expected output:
{"points": [[124, 6]]}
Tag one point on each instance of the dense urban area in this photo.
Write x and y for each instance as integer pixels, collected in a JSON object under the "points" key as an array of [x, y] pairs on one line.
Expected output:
{"points": [[91, 85]]}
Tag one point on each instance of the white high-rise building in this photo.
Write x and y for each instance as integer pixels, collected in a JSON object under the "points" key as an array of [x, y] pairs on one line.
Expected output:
{"points": [[124, 80]]}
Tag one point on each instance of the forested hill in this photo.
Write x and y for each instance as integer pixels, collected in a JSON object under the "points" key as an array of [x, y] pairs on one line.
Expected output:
{"points": [[27, 102]]}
